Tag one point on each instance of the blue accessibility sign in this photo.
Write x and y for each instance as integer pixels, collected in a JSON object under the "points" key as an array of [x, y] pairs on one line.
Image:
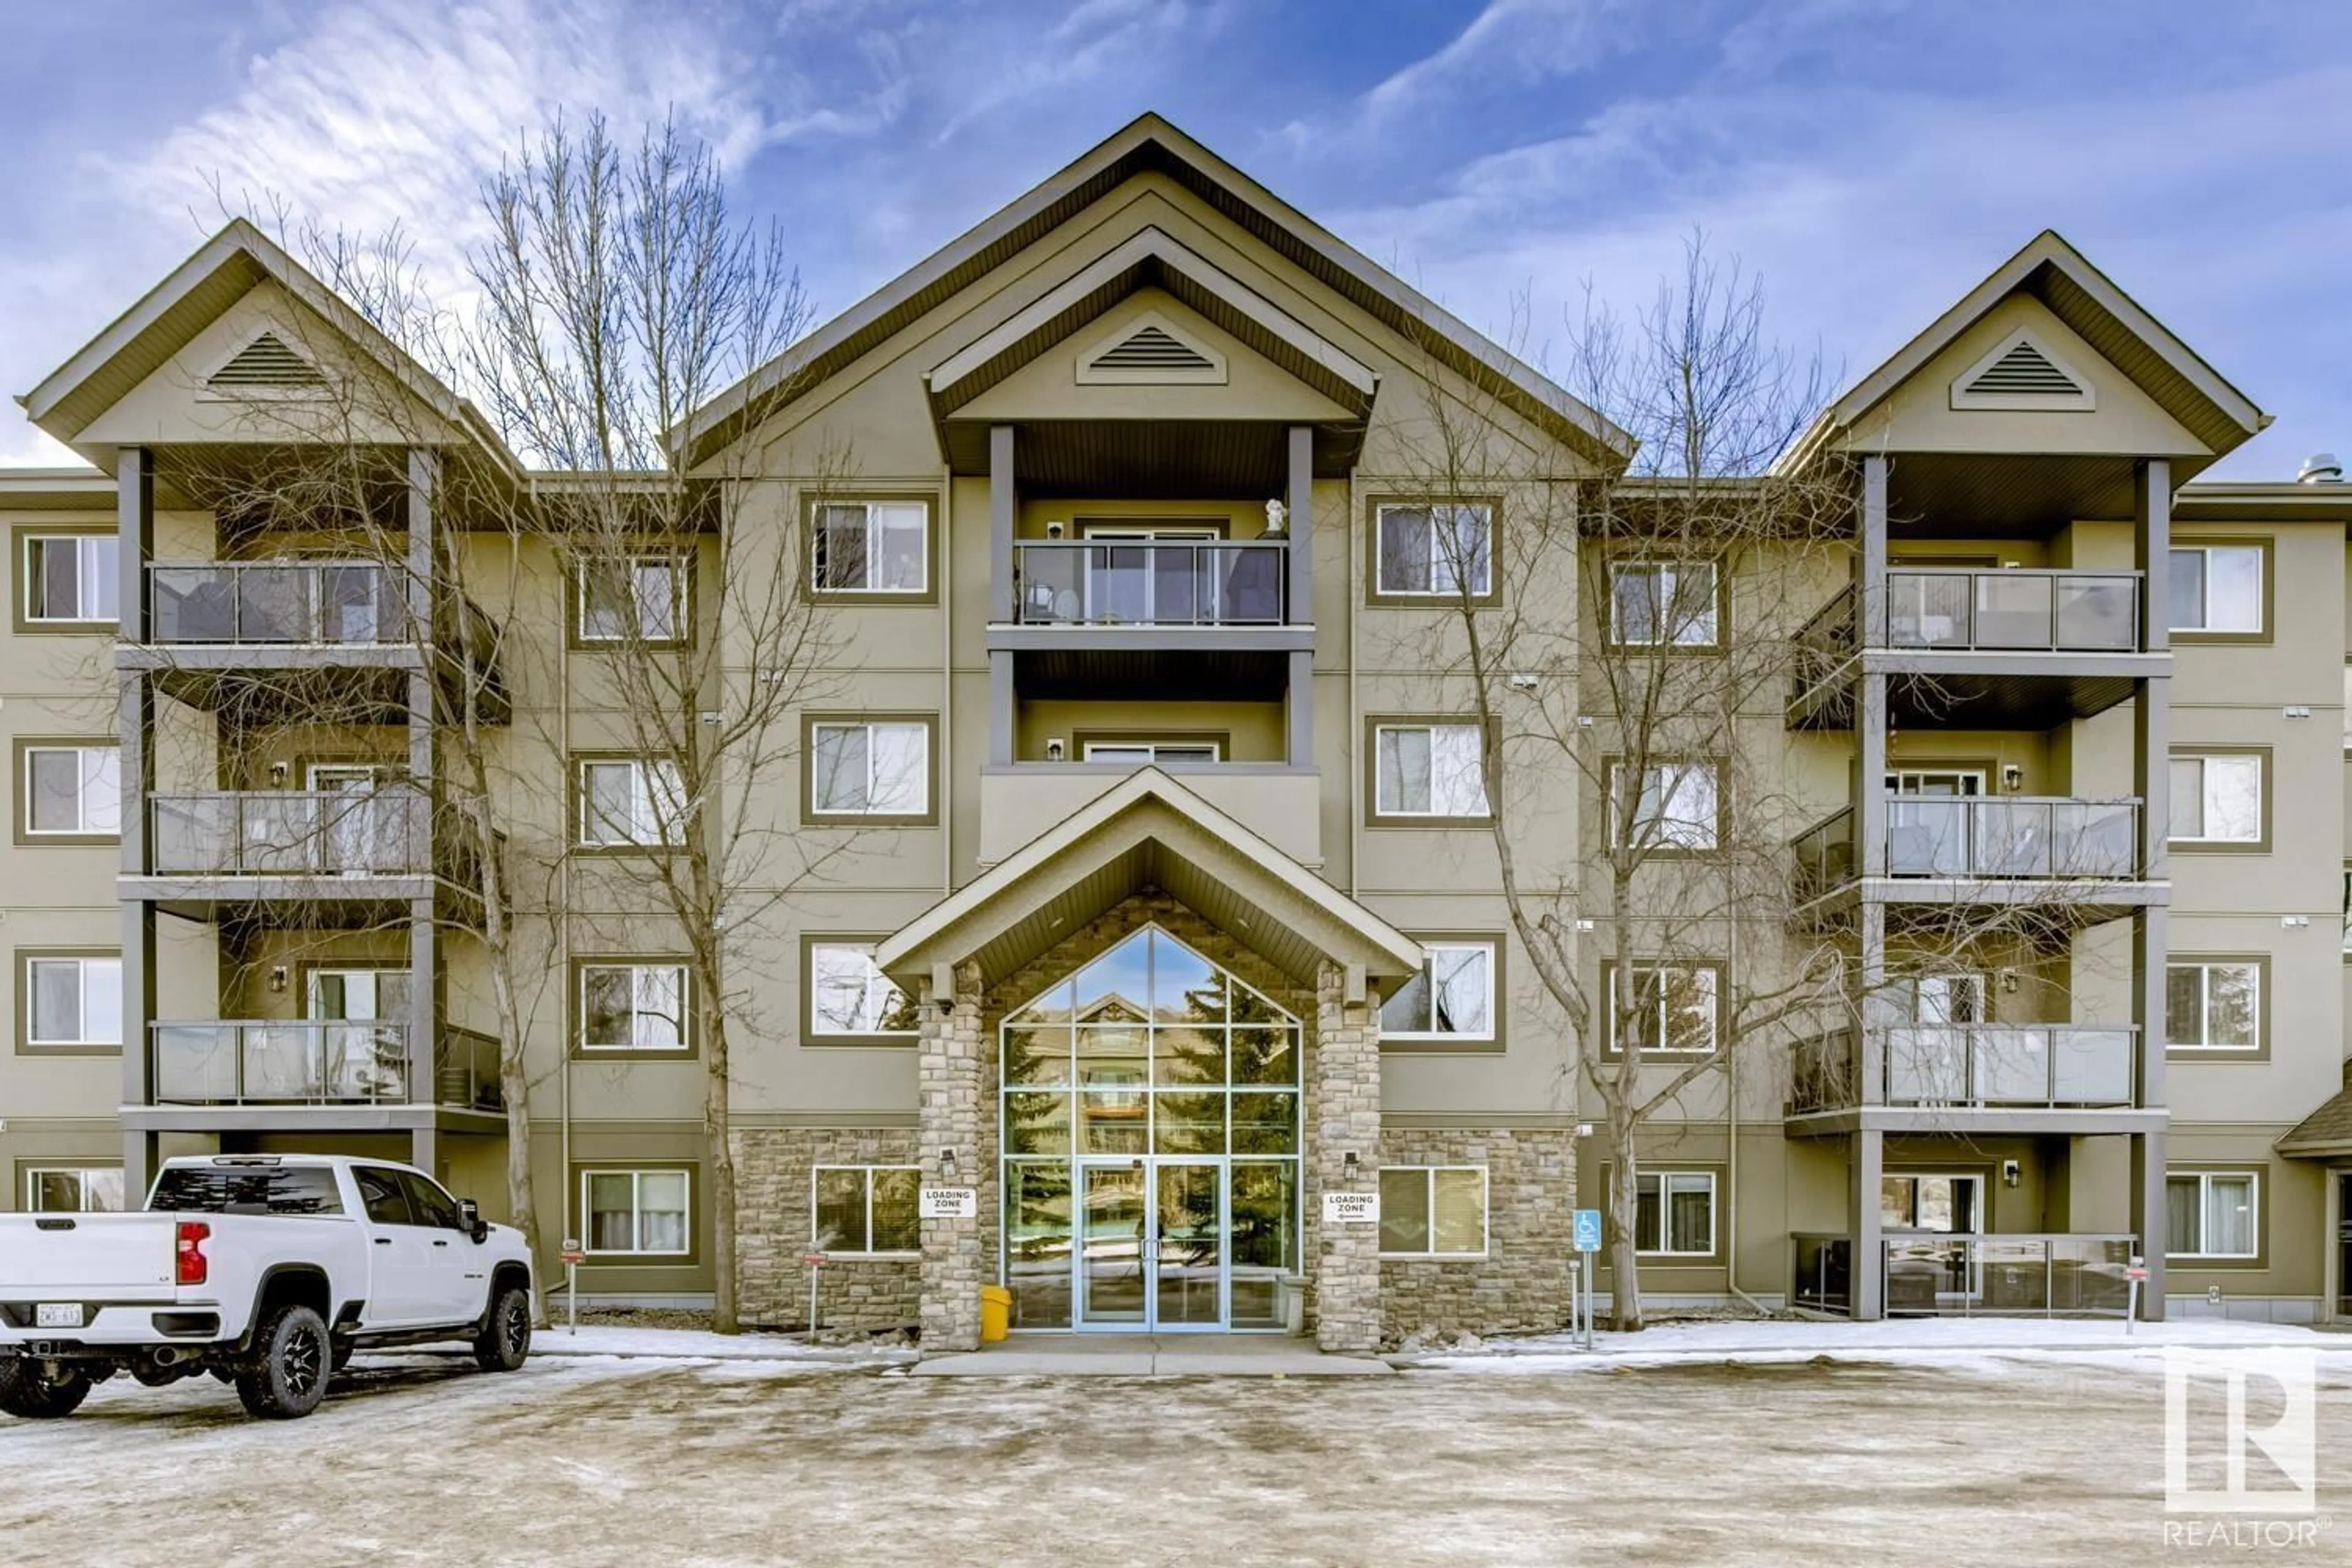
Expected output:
{"points": [[1588, 1230]]}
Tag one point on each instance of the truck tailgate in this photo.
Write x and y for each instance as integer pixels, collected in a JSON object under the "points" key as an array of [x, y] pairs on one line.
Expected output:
{"points": [[77, 1256]]}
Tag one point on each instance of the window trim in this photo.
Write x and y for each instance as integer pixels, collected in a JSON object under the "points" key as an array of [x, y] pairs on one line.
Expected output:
{"points": [[812, 501], [2222, 1055], [1434, 1043], [684, 561], [2256, 1260], [1610, 765], [21, 620], [21, 961], [1485, 1212], [1668, 1257], [690, 1258], [580, 1050], [29, 1167], [580, 844], [869, 1250], [1609, 1047], [1219, 741], [877, 1040], [2267, 546], [1613, 565], [21, 786], [812, 720], [1427, 822], [1378, 597], [2257, 846]]}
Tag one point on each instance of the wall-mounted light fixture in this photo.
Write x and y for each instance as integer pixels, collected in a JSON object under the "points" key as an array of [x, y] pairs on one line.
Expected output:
{"points": [[1350, 1162], [2013, 777], [278, 977], [947, 1163], [2012, 1173], [279, 773]]}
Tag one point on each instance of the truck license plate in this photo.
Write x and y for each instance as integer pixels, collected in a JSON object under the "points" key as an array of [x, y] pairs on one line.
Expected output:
{"points": [[57, 1315]]}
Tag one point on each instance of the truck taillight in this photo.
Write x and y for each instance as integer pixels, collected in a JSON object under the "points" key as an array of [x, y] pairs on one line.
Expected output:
{"points": [[190, 1248]]}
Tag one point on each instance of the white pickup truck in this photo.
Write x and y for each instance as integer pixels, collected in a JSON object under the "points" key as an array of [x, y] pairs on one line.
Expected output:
{"points": [[265, 1270]]}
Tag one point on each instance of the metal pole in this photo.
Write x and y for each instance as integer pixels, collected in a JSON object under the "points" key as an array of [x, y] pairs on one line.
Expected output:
{"points": [[812, 1274], [572, 1297]]}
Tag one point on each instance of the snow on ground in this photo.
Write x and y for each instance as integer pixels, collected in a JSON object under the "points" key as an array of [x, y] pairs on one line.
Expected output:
{"points": [[602, 1340], [1952, 1344]]}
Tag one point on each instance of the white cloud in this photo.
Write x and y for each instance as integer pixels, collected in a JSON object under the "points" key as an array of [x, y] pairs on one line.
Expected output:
{"points": [[1518, 42]]}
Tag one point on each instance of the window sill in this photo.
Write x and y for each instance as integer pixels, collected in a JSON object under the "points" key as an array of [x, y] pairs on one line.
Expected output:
{"points": [[1434, 1257], [914, 1256]]}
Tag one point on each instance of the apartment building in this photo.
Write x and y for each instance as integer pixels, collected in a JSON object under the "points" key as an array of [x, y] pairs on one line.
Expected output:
{"points": [[1159, 908]]}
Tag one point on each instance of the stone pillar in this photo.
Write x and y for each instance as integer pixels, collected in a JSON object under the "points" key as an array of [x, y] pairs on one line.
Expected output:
{"points": [[1343, 1113], [950, 1073]]}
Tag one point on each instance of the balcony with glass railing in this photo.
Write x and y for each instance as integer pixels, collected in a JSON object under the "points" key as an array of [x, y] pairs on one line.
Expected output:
{"points": [[1980, 1066], [1962, 838], [304, 1062], [381, 832], [350, 604], [1162, 583], [2085, 1273]]}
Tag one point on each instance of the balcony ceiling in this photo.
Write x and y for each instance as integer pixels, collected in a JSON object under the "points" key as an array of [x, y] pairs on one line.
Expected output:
{"points": [[1204, 459]]}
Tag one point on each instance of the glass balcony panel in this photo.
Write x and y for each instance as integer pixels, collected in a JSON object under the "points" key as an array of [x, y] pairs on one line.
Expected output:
{"points": [[2015, 610], [2010, 1066], [1927, 838], [2093, 1067], [194, 604], [1165, 582], [1053, 586], [276, 606], [2098, 614], [1928, 609], [1927, 1067], [195, 1064]]}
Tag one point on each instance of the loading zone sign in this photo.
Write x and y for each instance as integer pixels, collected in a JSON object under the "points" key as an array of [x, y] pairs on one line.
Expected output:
{"points": [[951, 1203], [1351, 1208]]}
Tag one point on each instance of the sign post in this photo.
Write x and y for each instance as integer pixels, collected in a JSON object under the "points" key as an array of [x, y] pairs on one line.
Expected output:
{"points": [[815, 1261], [1588, 1248], [573, 1256]]}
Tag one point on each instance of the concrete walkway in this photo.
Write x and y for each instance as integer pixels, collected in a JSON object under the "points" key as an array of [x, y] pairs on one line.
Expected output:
{"points": [[1150, 1355]]}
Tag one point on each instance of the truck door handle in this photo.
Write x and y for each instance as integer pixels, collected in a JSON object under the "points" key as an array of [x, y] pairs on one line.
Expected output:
{"points": [[440, 1243], [384, 1241]]}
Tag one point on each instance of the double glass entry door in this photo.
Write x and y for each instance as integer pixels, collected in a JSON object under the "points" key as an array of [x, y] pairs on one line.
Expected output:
{"points": [[1151, 1250]]}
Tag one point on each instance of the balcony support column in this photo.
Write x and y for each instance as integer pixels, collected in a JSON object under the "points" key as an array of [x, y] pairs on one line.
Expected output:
{"points": [[1004, 498], [1298, 595], [138, 1041], [1870, 780], [1870, 1011], [424, 993], [425, 1150], [999, 707], [1298, 709], [1866, 1273], [1872, 631], [2149, 1218], [2151, 781], [134, 522]]}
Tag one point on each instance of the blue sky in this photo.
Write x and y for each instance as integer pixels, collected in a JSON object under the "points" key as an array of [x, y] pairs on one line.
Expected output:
{"points": [[1871, 159]]}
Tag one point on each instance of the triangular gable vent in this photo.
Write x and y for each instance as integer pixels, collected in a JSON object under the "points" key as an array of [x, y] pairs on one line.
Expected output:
{"points": [[1151, 349], [2020, 373], [268, 363]]}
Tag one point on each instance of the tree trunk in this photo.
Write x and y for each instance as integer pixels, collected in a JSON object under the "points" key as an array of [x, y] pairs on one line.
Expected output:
{"points": [[1625, 1205], [723, 1306]]}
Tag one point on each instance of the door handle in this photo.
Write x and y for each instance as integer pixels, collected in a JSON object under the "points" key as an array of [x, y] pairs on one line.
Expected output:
{"points": [[384, 1241], [440, 1243]]}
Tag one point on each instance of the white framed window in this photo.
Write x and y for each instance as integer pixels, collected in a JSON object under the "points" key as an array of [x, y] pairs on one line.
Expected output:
{"points": [[2217, 588], [1673, 806], [2213, 1213], [2213, 1005], [1433, 1211], [636, 598], [1428, 770], [1434, 551], [1674, 1009], [638, 1214], [1663, 603], [1452, 998], [1673, 1214], [72, 1000], [862, 769], [2218, 799], [1140, 753], [871, 547], [71, 791], [630, 801], [865, 1210], [70, 579], [633, 1007], [73, 1189], [849, 994]]}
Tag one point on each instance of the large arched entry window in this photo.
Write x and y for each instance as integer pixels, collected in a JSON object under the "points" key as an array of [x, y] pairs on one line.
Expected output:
{"points": [[1150, 1144]]}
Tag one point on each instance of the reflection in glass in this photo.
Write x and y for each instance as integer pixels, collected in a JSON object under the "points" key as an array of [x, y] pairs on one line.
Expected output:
{"points": [[1188, 1123], [1192, 1245], [1266, 1056], [1265, 1124], [1111, 1271], [1038, 1242], [1182, 1056], [1265, 1239], [1036, 1124], [1115, 1122], [1033, 1054]]}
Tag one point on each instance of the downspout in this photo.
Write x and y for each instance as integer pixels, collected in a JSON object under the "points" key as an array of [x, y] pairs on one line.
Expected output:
{"points": [[946, 685], [1352, 739], [562, 928]]}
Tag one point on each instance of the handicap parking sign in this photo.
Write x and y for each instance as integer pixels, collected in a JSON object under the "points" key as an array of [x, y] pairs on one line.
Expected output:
{"points": [[1588, 1230]]}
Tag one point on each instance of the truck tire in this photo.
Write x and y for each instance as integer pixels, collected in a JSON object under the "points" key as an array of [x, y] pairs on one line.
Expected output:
{"points": [[505, 1339], [24, 1392], [292, 1360]]}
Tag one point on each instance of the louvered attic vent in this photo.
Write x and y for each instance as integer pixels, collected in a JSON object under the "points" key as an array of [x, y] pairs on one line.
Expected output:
{"points": [[2025, 369], [1152, 348], [266, 363]]}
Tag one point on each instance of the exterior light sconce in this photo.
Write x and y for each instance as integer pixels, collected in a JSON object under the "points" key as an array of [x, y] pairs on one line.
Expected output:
{"points": [[279, 773], [947, 1163], [2012, 1173], [278, 977], [2013, 777], [1277, 519], [1350, 1162]]}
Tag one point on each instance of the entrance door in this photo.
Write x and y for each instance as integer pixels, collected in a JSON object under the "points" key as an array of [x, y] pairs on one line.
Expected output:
{"points": [[354, 833], [1152, 1252], [364, 1015]]}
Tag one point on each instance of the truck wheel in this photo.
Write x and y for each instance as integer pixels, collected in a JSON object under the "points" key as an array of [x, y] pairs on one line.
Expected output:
{"points": [[505, 1339], [24, 1392], [291, 1363]]}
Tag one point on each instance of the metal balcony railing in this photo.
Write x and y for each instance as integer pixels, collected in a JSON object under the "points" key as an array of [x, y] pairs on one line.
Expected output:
{"points": [[2012, 608], [240, 833], [2042, 1275], [309, 1062], [1219, 583], [1980, 1066], [348, 603], [1988, 838]]}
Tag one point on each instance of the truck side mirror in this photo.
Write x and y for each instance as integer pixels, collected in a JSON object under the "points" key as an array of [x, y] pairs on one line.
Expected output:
{"points": [[469, 1214]]}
